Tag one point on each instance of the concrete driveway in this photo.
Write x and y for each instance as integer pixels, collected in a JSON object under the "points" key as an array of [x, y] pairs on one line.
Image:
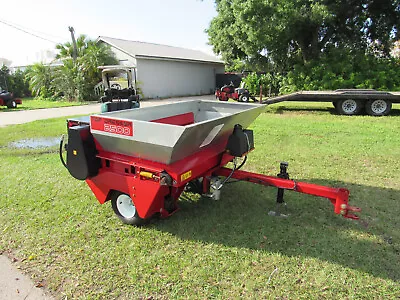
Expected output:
{"points": [[25, 116]]}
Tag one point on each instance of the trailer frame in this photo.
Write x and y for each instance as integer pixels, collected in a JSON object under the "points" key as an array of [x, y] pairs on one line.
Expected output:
{"points": [[347, 101], [143, 176]]}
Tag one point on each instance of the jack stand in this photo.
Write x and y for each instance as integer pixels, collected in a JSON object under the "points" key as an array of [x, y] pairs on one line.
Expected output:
{"points": [[279, 196], [278, 209]]}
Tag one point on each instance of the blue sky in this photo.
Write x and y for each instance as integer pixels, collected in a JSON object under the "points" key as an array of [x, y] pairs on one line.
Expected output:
{"points": [[178, 23]]}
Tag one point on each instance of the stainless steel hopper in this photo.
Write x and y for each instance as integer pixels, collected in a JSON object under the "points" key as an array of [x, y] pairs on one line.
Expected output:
{"points": [[154, 133]]}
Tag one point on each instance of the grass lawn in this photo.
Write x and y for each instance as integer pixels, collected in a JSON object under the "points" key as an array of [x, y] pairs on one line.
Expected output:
{"points": [[227, 249], [33, 103]]}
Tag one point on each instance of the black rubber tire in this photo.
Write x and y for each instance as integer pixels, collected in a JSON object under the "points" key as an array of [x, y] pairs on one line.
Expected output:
{"points": [[244, 98], [194, 186], [378, 107], [349, 107], [104, 99], [12, 104], [134, 220]]}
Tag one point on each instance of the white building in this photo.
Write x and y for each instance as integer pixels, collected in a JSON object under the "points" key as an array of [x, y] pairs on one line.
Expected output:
{"points": [[166, 71]]}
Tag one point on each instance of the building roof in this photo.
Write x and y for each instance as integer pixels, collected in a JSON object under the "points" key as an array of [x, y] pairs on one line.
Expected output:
{"points": [[153, 51], [54, 63]]}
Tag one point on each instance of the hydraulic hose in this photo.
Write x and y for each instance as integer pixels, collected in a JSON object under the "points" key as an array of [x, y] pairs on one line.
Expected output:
{"points": [[60, 151], [242, 164]]}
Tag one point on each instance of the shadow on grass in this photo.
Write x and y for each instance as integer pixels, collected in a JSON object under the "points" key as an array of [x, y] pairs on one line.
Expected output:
{"points": [[395, 112], [282, 109], [240, 219]]}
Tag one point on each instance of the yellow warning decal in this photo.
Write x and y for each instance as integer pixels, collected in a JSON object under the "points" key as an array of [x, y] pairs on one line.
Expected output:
{"points": [[186, 175]]}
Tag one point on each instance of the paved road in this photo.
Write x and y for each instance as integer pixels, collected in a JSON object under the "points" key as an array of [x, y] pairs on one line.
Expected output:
{"points": [[13, 284], [25, 116]]}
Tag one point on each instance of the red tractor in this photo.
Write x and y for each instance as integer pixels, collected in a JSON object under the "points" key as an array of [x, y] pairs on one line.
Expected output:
{"points": [[229, 91], [7, 99]]}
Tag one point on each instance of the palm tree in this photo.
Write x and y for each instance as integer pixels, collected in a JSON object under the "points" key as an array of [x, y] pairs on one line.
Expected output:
{"points": [[67, 49], [94, 55], [76, 79], [40, 79], [66, 80]]}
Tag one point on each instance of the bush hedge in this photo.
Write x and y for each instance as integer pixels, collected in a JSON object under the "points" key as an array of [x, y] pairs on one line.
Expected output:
{"points": [[335, 70]]}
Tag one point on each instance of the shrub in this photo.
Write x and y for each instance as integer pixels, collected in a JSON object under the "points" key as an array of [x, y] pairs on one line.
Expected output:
{"points": [[270, 83], [340, 70]]}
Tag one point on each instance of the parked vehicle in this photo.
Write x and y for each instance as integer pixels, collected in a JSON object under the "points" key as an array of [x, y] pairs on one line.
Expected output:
{"points": [[347, 101], [8, 99], [120, 90], [230, 92]]}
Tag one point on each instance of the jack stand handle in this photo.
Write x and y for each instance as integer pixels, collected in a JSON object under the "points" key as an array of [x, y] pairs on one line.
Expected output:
{"points": [[283, 170]]}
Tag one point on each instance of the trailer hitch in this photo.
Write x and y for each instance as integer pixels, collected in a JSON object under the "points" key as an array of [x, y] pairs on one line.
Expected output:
{"points": [[339, 197]]}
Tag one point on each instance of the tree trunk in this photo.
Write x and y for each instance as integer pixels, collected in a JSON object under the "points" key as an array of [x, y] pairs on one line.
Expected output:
{"points": [[309, 46]]}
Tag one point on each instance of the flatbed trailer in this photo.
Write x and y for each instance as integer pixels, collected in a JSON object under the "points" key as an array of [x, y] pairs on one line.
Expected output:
{"points": [[347, 101]]}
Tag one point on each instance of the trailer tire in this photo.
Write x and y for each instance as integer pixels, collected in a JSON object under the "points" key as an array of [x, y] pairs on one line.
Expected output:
{"points": [[125, 209], [378, 107], [12, 104], [195, 186], [349, 107]]}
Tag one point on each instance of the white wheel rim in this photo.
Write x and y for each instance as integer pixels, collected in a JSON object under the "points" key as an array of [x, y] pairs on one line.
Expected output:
{"points": [[378, 106], [349, 106], [125, 206]]}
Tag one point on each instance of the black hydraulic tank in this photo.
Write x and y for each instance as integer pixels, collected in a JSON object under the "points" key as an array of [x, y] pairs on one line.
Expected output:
{"points": [[81, 153]]}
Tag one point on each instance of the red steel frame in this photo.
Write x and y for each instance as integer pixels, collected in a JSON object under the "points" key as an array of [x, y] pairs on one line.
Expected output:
{"points": [[142, 180], [339, 197]]}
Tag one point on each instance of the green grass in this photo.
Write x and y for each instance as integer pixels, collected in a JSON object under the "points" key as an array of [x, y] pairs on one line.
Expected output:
{"points": [[35, 103], [226, 249]]}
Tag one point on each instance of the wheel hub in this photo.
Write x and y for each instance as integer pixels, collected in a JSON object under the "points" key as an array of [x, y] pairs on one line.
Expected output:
{"points": [[125, 206], [378, 106], [349, 106]]}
